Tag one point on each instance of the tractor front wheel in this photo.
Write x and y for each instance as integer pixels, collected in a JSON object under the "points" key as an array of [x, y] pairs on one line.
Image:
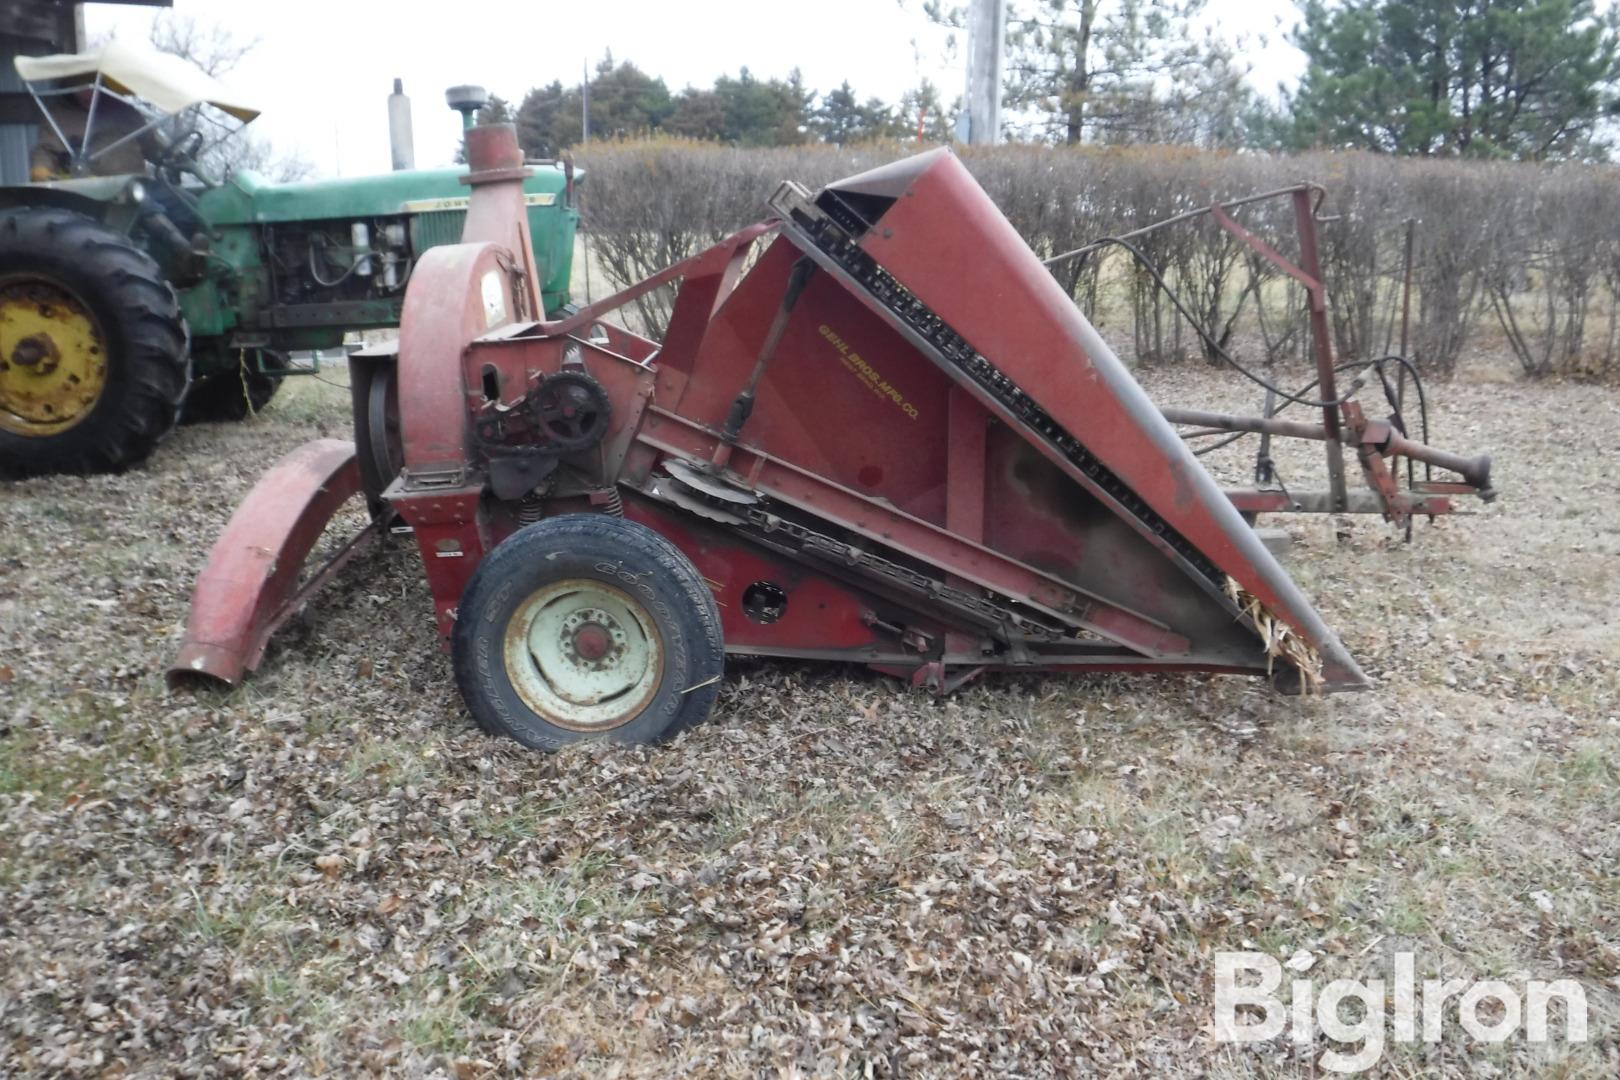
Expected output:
{"points": [[587, 626], [238, 392], [93, 358]]}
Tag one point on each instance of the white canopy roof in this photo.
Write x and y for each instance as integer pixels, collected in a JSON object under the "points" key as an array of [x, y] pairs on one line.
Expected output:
{"points": [[167, 81]]}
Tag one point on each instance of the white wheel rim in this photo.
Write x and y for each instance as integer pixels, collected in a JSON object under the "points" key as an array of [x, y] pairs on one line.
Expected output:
{"points": [[583, 655]]}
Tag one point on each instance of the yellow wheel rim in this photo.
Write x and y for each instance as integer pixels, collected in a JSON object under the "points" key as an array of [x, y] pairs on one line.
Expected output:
{"points": [[53, 357]]}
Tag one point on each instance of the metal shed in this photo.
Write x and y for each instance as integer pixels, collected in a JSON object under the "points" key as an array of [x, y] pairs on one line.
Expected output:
{"points": [[34, 28]]}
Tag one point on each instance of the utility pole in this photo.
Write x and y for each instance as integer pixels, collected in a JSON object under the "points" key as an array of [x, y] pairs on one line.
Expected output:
{"points": [[585, 103], [980, 122]]}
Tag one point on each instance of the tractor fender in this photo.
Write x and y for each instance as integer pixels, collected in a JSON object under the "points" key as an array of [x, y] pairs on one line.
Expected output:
{"points": [[95, 197], [12, 198]]}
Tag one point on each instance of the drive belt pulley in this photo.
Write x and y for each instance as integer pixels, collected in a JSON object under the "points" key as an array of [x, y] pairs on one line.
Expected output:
{"points": [[571, 410], [567, 412]]}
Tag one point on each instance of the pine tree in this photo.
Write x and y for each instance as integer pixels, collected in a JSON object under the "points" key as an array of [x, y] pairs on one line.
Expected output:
{"points": [[798, 105], [838, 118], [624, 100], [1529, 79], [1084, 71], [698, 114], [922, 116], [497, 111], [547, 119]]}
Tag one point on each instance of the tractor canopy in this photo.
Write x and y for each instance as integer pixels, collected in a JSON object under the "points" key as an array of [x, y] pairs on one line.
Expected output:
{"points": [[111, 111], [166, 82]]}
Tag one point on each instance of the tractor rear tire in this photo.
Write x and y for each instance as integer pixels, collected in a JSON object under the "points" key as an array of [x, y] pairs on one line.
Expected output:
{"points": [[93, 349], [587, 626], [235, 394]]}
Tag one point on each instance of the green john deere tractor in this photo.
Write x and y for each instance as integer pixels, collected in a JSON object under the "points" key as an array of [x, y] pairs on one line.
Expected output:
{"points": [[137, 285]]}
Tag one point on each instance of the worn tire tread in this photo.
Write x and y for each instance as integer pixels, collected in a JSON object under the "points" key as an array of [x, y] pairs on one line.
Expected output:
{"points": [[148, 369], [600, 535]]}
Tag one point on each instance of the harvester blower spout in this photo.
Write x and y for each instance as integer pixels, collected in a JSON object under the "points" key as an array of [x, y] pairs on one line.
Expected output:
{"points": [[843, 446]]}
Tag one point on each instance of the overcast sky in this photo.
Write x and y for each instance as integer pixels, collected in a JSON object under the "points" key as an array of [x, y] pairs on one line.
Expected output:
{"points": [[322, 69]]}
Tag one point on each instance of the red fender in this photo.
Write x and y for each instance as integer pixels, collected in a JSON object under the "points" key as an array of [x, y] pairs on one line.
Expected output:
{"points": [[249, 586]]}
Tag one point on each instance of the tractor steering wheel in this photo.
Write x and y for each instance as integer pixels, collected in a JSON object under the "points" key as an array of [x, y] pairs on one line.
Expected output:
{"points": [[180, 156]]}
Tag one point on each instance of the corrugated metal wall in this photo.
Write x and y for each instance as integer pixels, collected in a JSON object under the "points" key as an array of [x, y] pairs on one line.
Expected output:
{"points": [[16, 140]]}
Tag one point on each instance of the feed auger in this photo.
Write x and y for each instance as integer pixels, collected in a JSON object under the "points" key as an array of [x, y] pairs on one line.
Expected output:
{"points": [[875, 430]]}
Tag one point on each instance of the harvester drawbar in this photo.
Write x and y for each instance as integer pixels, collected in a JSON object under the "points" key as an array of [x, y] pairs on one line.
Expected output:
{"points": [[876, 430]]}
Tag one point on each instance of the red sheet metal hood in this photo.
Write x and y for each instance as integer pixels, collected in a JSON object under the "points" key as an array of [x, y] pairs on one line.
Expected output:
{"points": [[944, 240]]}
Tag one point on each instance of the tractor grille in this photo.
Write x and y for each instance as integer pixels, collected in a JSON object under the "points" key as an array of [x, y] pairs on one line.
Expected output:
{"points": [[435, 227]]}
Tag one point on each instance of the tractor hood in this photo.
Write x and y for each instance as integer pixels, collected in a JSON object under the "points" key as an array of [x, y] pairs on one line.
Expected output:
{"points": [[248, 199]]}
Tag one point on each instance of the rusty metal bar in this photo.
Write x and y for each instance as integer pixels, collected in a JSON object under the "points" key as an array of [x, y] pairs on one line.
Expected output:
{"points": [[1406, 303], [1381, 436], [1386, 440], [1327, 384], [743, 405], [1475, 470], [1265, 425], [1148, 230], [1265, 250], [1257, 501]]}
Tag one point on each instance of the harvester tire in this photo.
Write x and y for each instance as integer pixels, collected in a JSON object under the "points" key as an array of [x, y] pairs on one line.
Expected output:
{"points": [[587, 626], [116, 317], [234, 394]]}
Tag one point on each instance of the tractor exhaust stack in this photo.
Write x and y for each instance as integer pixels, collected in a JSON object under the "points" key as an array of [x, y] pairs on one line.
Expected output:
{"points": [[401, 133]]}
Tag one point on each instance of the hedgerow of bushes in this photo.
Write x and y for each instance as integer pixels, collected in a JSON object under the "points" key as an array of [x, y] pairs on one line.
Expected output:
{"points": [[1529, 254]]}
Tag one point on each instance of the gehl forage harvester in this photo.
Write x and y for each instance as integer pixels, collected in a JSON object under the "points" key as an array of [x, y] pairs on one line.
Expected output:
{"points": [[875, 430]]}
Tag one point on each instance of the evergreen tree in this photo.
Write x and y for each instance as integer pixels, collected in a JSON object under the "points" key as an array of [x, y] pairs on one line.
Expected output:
{"points": [[1490, 78], [698, 114], [742, 110], [497, 111], [1082, 71], [547, 119], [751, 109], [798, 105], [842, 119], [922, 116], [623, 101], [880, 121]]}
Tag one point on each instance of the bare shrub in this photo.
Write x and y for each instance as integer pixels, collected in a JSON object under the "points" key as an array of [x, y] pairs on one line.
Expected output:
{"points": [[1530, 250], [1548, 267], [1359, 261], [649, 203]]}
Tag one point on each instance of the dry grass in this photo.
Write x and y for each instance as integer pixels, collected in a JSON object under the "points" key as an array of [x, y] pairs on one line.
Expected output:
{"points": [[329, 871]]}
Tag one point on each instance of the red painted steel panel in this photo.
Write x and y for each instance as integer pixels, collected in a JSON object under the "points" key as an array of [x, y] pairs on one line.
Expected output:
{"points": [[820, 403], [821, 616], [946, 242], [253, 569]]}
